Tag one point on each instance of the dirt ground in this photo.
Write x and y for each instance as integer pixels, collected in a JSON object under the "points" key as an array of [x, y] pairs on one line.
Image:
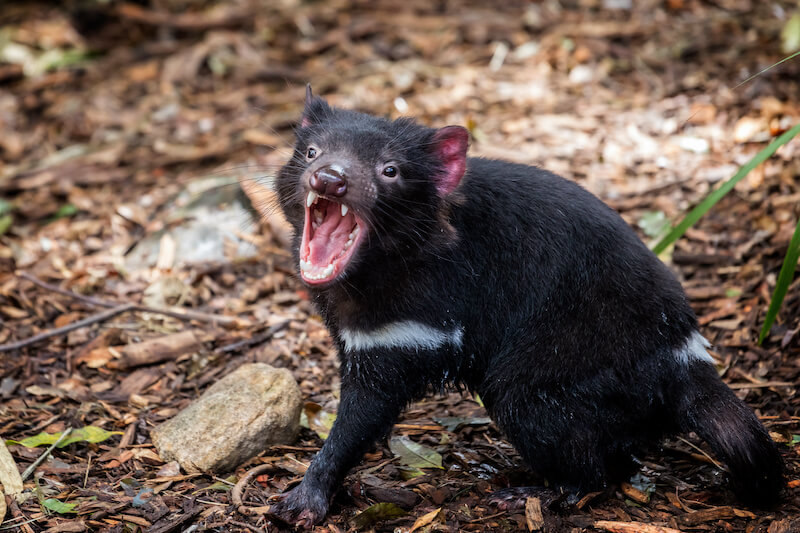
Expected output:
{"points": [[125, 129]]}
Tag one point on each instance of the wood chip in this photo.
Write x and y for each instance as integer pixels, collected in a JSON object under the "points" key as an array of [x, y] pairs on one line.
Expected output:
{"points": [[632, 527], [533, 514], [156, 350]]}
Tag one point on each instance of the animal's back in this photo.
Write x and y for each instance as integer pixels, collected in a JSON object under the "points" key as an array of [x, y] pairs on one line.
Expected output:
{"points": [[563, 269]]}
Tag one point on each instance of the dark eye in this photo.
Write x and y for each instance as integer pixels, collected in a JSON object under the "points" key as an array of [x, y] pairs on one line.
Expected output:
{"points": [[311, 153], [390, 172]]}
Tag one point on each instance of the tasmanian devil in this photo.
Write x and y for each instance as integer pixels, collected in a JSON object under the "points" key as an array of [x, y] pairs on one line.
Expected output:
{"points": [[430, 268]]}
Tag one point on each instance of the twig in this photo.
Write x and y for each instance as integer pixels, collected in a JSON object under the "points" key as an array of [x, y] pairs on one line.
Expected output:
{"points": [[28, 471], [74, 295], [703, 453], [484, 518], [7, 525], [258, 339], [189, 315], [115, 309], [246, 525], [238, 489], [88, 321], [181, 314], [759, 385], [88, 467]]}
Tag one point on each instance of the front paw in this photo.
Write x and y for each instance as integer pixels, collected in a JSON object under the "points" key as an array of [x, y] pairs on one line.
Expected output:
{"points": [[300, 507]]}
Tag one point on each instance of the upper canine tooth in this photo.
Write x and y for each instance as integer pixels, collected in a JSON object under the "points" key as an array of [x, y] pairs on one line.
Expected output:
{"points": [[311, 198], [344, 210]]}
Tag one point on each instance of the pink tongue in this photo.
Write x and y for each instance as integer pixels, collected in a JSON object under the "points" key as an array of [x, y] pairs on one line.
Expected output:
{"points": [[330, 237]]}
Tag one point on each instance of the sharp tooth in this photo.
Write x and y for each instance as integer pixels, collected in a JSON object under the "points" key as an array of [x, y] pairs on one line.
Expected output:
{"points": [[311, 198], [328, 271], [344, 210]]}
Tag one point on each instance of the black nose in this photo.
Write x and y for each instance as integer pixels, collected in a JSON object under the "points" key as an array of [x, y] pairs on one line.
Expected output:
{"points": [[328, 181]]}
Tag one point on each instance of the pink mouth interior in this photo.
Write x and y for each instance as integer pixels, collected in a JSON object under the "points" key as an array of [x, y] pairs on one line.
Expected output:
{"points": [[329, 240]]}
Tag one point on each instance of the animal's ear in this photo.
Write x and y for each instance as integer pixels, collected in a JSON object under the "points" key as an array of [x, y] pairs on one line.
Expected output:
{"points": [[315, 108], [450, 147]]}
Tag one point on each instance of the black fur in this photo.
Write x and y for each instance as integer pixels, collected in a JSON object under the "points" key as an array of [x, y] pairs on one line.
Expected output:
{"points": [[570, 324]]}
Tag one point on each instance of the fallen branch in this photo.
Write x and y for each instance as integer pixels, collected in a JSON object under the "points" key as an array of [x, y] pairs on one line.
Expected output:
{"points": [[737, 386], [74, 295], [258, 339], [114, 309], [88, 321], [181, 314]]}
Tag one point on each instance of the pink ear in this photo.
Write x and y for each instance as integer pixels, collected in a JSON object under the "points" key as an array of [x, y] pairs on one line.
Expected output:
{"points": [[450, 145]]}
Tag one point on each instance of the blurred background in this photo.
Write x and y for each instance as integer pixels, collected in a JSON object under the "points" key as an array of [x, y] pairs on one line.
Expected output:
{"points": [[137, 144]]}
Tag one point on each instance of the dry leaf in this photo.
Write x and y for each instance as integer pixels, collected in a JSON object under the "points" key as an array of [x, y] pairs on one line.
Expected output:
{"points": [[425, 519], [9, 474]]}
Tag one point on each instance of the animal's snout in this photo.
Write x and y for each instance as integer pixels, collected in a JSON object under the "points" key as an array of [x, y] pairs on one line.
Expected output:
{"points": [[329, 180]]}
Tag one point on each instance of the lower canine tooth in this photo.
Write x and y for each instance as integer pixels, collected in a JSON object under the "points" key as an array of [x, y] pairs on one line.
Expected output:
{"points": [[344, 210]]}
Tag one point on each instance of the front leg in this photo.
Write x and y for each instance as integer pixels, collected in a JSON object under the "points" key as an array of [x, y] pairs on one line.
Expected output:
{"points": [[366, 414]]}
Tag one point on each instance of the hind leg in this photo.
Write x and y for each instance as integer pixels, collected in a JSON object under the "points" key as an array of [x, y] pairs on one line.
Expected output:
{"points": [[572, 441]]}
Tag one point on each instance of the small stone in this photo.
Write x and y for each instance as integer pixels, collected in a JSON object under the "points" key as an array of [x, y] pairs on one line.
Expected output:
{"points": [[694, 144], [236, 418]]}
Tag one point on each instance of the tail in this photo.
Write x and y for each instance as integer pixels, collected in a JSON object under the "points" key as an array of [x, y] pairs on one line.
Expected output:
{"points": [[734, 433]]}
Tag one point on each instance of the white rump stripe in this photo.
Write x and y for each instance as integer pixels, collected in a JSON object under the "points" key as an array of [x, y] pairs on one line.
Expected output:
{"points": [[402, 334], [694, 349]]}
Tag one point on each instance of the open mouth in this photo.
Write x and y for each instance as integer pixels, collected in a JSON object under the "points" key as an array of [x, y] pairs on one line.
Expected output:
{"points": [[331, 235]]}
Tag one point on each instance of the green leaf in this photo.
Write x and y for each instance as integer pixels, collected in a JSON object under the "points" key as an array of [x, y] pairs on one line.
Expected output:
{"points": [[5, 223], [317, 420], [795, 440], [407, 472], [220, 486], [710, 200], [58, 506], [5, 206], [377, 513], [654, 223], [478, 400], [413, 454], [66, 210], [790, 36], [733, 292], [782, 285], [84, 434]]}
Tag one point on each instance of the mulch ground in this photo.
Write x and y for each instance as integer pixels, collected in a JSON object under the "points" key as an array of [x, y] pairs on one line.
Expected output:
{"points": [[115, 118]]}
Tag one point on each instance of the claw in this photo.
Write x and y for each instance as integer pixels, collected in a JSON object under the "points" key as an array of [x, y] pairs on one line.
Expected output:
{"points": [[298, 508]]}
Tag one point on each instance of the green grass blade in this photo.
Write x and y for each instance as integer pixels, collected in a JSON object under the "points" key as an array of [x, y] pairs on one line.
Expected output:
{"points": [[759, 73], [702, 208], [784, 280]]}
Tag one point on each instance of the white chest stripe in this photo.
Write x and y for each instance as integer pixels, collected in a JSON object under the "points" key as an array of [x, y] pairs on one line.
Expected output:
{"points": [[695, 348], [403, 334]]}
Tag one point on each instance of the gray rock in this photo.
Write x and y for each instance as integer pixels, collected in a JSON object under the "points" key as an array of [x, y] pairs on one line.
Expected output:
{"points": [[236, 418]]}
